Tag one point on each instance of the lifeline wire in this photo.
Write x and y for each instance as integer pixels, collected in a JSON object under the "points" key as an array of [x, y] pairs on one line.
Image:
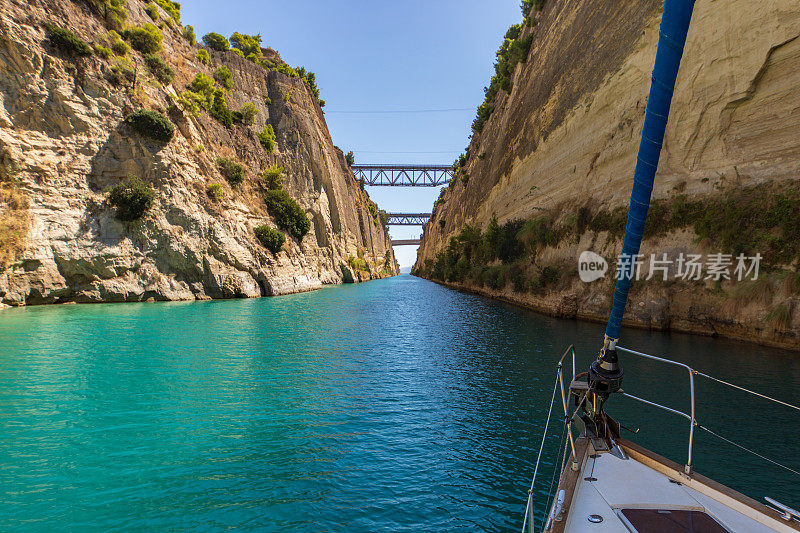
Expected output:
{"points": [[541, 448], [562, 460], [746, 390], [749, 451]]}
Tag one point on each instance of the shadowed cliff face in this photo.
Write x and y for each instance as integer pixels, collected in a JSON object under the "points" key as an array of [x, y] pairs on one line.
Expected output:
{"points": [[63, 144], [564, 143]]}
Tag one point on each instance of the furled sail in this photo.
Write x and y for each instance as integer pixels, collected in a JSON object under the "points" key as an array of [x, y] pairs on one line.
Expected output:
{"points": [[605, 374], [672, 38]]}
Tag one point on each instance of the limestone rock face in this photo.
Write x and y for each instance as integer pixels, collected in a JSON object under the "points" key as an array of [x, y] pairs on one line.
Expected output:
{"points": [[63, 145], [569, 131]]}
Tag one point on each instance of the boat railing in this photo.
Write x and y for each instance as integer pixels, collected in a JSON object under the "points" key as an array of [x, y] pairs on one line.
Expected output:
{"points": [[693, 423], [690, 417]]}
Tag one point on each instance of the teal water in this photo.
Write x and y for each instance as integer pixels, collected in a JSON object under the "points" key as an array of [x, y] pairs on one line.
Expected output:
{"points": [[395, 405]]}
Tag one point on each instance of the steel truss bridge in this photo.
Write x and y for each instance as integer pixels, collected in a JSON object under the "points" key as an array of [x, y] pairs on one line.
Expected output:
{"points": [[404, 175], [405, 242], [408, 219]]}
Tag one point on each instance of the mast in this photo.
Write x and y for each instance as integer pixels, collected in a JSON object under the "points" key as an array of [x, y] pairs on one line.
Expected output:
{"points": [[605, 374]]}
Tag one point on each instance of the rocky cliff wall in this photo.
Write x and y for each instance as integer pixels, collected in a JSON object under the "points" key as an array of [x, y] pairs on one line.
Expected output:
{"points": [[564, 141], [63, 145]]}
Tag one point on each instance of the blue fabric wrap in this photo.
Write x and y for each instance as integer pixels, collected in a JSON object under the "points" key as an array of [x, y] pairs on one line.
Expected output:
{"points": [[672, 38]]}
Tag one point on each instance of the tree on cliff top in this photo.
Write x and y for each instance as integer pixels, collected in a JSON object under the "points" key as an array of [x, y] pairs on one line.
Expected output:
{"points": [[217, 42], [248, 44]]}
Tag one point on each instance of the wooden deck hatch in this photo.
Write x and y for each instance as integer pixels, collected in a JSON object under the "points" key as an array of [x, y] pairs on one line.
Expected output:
{"points": [[672, 521]]}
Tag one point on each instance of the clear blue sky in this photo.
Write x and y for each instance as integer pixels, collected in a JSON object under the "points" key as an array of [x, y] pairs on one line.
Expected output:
{"points": [[372, 56]]}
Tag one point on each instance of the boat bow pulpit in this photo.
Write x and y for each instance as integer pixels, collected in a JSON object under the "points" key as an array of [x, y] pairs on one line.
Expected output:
{"points": [[610, 484]]}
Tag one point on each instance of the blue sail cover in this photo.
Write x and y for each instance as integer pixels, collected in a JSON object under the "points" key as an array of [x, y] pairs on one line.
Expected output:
{"points": [[672, 38]]}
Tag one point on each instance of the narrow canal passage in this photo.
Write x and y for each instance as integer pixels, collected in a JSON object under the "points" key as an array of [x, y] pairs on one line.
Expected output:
{"points": [[394, 405]]}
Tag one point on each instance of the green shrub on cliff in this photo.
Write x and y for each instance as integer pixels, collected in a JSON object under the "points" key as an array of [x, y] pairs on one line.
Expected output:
{"points": [[350, 158], [527, 5], [110, 43], [145, 38], [372, 207], [246, 114], [388, 264], [512, 51], [310, 79], [357, 263], [173, 9], [273, 178], [122, 71], [272, 239], [66, 42], [223, 76], [199, 95], [233, 172], [215, 192], [217, 42], [114, 41], [202, 56], [203, 87], [113, 12], [103, 52], [267, 138], [219, 109], [287, 213], [152, 10], [159, 68], [249, 112], [189, 35], [151, 124], [249, 45], [485, 111], [132, 198]]}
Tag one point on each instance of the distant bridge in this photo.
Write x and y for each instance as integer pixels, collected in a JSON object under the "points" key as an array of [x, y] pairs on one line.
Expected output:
{"points": [[404, 175], [405, 242], [408, 219]]}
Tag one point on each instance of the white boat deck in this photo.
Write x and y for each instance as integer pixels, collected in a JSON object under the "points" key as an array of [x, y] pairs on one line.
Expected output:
{"points": [[614, 485]]}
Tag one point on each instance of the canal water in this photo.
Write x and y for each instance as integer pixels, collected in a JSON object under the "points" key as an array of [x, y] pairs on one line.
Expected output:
{"points": [[395, 405]]}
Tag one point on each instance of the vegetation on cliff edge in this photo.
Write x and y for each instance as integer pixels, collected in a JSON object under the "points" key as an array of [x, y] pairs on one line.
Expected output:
{"points": [[513, 50], [746, 221]]}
